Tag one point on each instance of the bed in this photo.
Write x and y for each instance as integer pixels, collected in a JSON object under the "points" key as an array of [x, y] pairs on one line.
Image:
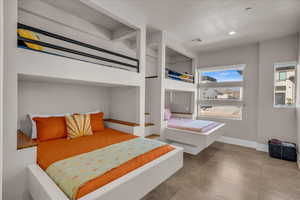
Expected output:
{"points": [[141, 173], [185, 77], [192, 135]]}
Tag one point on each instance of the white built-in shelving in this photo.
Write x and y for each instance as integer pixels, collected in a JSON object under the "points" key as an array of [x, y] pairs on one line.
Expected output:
{"points": [[166, 53]]}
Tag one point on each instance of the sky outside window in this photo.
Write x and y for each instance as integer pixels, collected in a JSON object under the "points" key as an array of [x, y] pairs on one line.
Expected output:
{"points": [[225, 75]]}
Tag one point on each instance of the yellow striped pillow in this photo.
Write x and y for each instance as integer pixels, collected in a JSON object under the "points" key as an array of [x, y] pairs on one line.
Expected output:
{"points": [[78, 125]]}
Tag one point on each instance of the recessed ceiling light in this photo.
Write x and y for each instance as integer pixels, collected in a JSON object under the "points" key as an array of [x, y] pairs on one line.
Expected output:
{"points": [[232, 33]]}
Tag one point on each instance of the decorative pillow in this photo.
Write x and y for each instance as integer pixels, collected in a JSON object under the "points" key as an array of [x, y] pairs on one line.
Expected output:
{"points": [[78, 125], [168, 114], [49, 128], [97, 122], [30, 35], [33, 123]]}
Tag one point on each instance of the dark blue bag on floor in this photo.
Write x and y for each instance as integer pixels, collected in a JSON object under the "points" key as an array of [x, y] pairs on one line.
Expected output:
{"points": [[282, 150]]}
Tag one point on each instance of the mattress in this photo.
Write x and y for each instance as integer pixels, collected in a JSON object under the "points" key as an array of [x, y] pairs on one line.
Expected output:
{"points": [[52, 151], [192, 125], [179, 76]]}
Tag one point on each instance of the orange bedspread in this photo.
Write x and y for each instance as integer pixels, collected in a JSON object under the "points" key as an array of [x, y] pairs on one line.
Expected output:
{"points": [[51, 151]]}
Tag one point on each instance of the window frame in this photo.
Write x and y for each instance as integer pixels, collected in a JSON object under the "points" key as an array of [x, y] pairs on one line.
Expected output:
{"points": [[221, 102], [285, 64]]}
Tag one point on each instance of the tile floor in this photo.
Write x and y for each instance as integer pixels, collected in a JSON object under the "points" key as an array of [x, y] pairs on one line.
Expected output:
{"points": [[230, 172]]}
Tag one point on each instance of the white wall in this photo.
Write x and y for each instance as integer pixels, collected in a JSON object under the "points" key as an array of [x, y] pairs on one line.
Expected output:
{"points": [[153, 102], [261, 121], [123, 103], [151, 62], [275, 122], [179, 101], [183, 66], [247, 127], [298, 101], [37, 97], [180, 64], [1, 93]]}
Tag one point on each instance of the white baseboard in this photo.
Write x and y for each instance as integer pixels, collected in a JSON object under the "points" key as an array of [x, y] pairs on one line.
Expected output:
{"points": [[262, 147], [244, 143]]}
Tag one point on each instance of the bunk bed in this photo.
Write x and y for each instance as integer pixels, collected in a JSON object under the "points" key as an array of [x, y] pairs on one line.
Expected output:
{"points": [[110, 185], [86, 44], [97, 46], [192, 135], [29, 38], [185, 77]]}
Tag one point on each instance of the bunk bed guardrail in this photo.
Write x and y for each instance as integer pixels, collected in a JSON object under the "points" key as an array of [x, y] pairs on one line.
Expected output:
{"points": [[76, 52]]}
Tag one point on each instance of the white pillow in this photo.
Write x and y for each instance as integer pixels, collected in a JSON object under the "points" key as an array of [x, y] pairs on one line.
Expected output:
{"points": [[33, 124], [92, 112]]}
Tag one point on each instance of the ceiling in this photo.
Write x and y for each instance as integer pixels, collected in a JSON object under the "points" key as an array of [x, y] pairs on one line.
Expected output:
{"points": [[212, 20], [172, 53], [79, 9]]}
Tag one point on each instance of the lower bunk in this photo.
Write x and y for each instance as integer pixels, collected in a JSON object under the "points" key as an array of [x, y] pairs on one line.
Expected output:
{"points": [[193, 135], [107, 165]]}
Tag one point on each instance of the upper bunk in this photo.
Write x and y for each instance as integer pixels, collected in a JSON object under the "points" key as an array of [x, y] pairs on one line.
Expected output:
{"points": [[179, 73], [167, 58], [77, 40]]}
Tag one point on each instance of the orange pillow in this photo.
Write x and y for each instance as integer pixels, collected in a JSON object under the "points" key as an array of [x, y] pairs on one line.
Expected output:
{"points": [[49, 128], [97, 122]]}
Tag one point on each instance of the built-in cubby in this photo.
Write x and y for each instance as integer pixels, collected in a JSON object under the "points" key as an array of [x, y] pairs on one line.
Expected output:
{"points": [[178, 66], [77, 30], [179, 102], [170, 79], [49, 96]]}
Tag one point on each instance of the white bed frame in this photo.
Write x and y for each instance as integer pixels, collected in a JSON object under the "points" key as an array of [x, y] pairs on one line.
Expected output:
{"points": [[132, 186], [193, 142]]}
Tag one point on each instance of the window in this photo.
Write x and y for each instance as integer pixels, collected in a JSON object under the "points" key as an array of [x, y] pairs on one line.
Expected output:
{"points": [[225, 93], [221, 92], [285, 84], [282, 76], [222, 76], [231, 112]]}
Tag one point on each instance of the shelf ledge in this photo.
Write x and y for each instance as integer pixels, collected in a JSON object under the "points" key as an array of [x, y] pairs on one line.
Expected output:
{"points": [[126, 123], [24, 141]]}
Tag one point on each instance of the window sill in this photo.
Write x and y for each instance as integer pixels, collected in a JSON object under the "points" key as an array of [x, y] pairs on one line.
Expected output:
{"points": [[287, 107], [218, 118]]}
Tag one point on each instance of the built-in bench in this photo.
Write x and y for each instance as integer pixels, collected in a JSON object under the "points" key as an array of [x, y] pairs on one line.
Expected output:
{"points": [[126, 123], [128, 127], [24, 141], [121, 122], [182, 115]]}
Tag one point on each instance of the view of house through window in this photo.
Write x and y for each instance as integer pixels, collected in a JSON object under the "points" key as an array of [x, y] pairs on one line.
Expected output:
{"points": [[231, 112], [221, 92], [229, 93], [285, 84]]}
